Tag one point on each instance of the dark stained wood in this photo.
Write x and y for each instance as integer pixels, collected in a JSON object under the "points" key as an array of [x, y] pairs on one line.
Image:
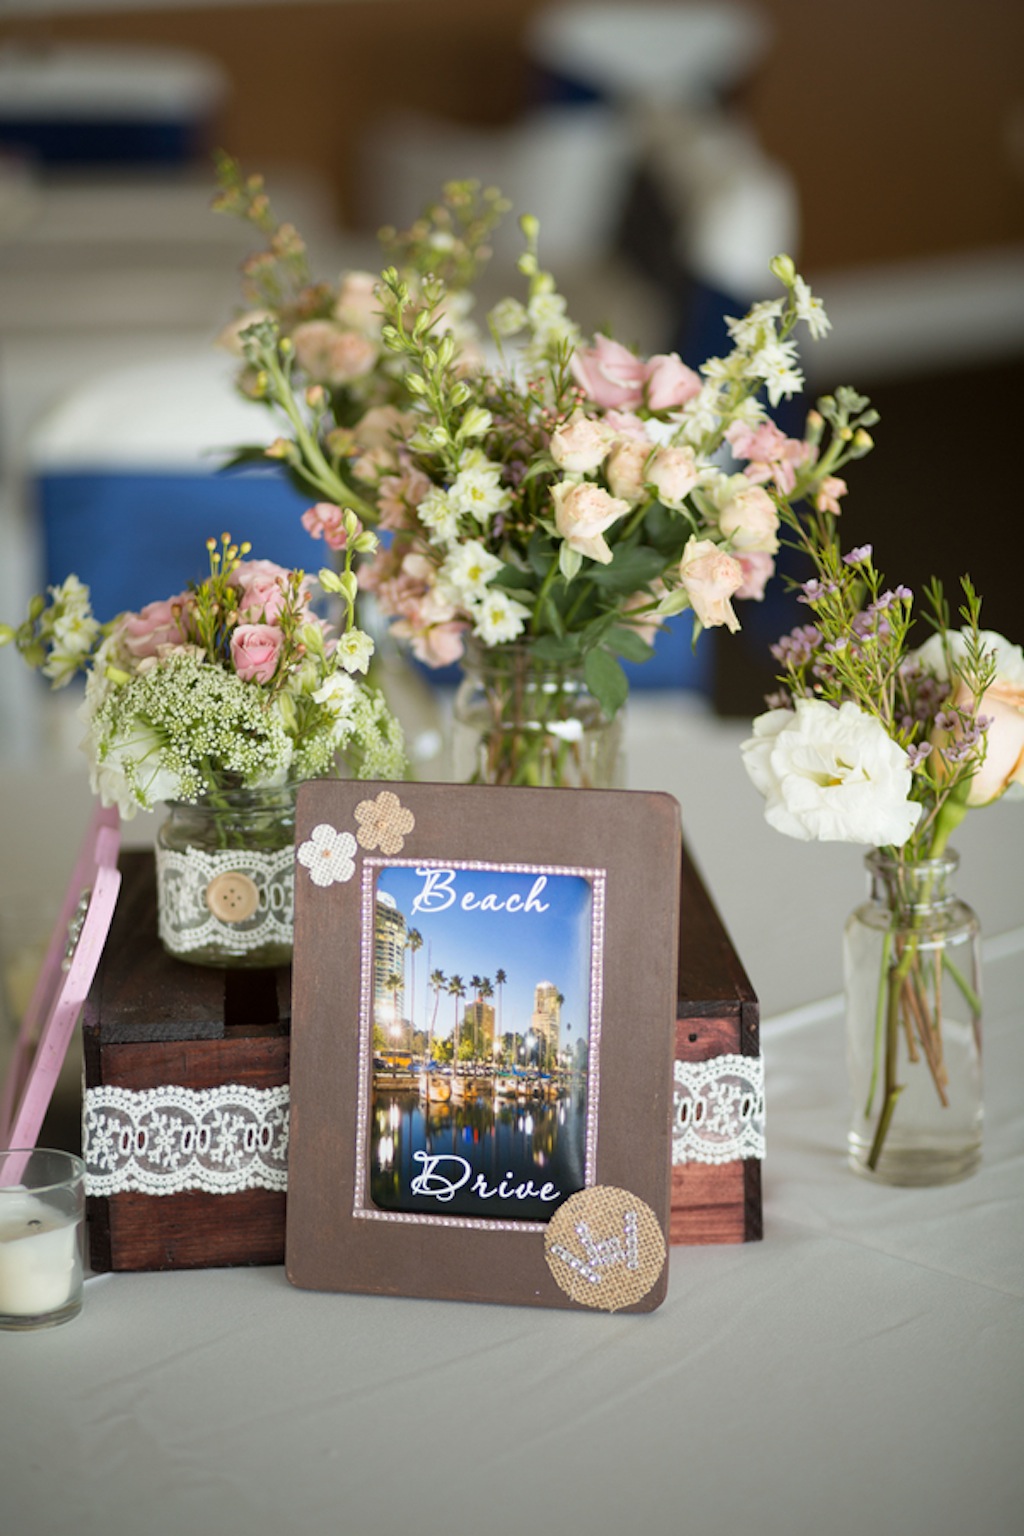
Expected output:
{"points": [[151, 1020], [196, 1230], [718, 1014]]}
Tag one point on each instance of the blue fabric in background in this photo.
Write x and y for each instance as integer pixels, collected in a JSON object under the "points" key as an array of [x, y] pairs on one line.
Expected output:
{"points": [[136, 537], [116, 141]]}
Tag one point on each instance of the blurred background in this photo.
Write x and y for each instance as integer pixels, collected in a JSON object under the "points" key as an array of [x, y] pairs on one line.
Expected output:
{"points": [[669, 149]]}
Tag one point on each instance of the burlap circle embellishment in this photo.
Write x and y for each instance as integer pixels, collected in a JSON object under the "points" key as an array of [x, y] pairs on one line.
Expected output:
{"points": [[605, 1247], [384, 822]]}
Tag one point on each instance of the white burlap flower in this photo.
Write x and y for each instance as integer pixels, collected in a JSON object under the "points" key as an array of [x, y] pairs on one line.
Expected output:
{"points": [[328, 855]]}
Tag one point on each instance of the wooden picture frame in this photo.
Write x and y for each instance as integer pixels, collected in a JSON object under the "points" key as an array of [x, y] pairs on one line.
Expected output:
{"points": [[388, 1191]]}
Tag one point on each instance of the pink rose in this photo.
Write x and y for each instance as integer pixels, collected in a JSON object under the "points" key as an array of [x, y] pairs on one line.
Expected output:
{"points": [[612, 376], [331, 355], [711, 578], [326, 521], [749, 520], [261, 585], [758, 569], [580, 445], [627, 424], [673, 473], [255, 649], [669, 382], [627, 469], [156, 625], [582, 513]]}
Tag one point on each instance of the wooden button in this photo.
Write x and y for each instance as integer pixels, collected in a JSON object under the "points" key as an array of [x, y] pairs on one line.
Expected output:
{"points": [[232, 897]]}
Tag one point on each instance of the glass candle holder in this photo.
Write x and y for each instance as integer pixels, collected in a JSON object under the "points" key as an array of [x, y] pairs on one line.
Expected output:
{"points": [[42, 1230]]}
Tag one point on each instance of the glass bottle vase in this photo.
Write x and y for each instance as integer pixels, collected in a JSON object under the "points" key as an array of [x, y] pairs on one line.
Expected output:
{"points": [[912, 967], [519, 720], [226, 878]]}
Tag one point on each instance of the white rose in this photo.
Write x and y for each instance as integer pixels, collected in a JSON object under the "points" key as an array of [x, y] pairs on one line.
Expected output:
{"points": [[831, 775]]}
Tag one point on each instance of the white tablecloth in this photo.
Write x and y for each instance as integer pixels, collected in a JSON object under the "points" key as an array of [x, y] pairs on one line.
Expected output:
{"points": [[860, 1370]]}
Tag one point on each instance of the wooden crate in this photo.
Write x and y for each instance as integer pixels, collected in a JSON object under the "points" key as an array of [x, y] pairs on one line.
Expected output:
{"points": [[152, 1021], [717, 1016]]}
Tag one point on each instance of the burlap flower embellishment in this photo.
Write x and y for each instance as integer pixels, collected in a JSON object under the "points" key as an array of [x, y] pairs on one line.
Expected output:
{"points": [[384, 822], [328, 854]]}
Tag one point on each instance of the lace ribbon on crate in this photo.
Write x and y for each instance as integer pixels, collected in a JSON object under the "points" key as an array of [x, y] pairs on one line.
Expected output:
{"points": [[163, 1141], [718, 1110]]}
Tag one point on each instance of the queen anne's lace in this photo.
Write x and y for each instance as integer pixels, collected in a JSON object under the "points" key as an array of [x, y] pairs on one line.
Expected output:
{"points": [[163, 1141], [718, 1110]]}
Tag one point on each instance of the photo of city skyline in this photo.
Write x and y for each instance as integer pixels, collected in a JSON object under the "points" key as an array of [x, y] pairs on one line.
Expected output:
{"points": [[481, 1038]]}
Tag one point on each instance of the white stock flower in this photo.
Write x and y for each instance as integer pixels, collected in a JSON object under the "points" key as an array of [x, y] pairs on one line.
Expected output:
{"points": [[831, 775], [507, 317], [810, 309], [466, 571], [776, 365], [354, 650], [477, 489], [499, 618], [338, 692], [438, 516]]}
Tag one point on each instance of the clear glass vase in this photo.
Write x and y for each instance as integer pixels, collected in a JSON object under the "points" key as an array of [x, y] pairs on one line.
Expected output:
{"points": [[518, 720], [912, 966], [226, 878]]}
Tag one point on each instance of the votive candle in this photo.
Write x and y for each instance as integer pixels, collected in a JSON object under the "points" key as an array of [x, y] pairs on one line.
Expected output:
{"points": [[40, 1238]]}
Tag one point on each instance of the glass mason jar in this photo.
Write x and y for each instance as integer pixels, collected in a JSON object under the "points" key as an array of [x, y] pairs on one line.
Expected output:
{"points": [[226, 878], [912, 966], [518, 720]]}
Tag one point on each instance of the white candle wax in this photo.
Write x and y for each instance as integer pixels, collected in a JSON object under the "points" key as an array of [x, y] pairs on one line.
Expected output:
{"points": [[39, 1258]]}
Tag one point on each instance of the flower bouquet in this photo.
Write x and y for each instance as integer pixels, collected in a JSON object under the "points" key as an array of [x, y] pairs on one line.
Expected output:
{"points": [[875, 741], [220, 700], [549, 501]]}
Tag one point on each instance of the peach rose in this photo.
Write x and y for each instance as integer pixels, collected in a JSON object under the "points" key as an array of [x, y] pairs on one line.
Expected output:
{"points": [[357, 303], [749, 520], [1002, 771], [582, 513], [673, 473], [711, 578], [627, 469], [331, 355], [580, 445], [255, 649]]}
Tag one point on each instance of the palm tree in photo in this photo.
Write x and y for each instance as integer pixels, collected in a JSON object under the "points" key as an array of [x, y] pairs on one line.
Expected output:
{"points": [[486, 993], [413, 942], [393, 982], [457, 991], [476, 982], [500, 978], [438, 984]]}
